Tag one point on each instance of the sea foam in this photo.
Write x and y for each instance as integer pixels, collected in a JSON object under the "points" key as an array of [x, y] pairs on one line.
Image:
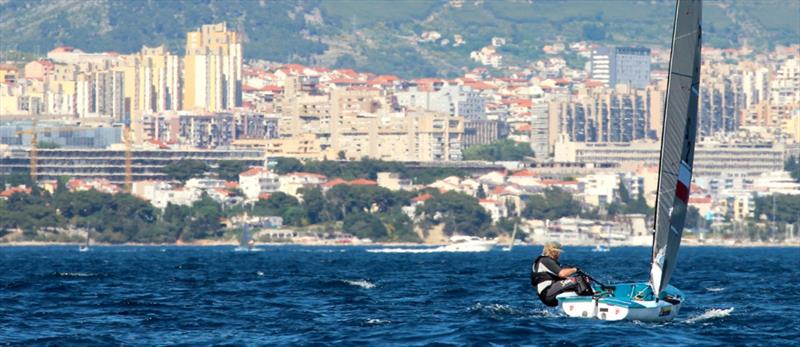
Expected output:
{"points": [[361, 283], [710, 314]]}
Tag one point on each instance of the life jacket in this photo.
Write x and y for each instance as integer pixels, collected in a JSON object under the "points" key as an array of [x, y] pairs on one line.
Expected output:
{"points": [[541, 279]]}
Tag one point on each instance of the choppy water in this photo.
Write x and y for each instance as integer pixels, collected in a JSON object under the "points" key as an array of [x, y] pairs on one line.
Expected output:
{"points": [[344, 296]]}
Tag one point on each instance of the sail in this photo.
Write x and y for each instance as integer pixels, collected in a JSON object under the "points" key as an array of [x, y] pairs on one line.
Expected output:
{"points": [[243, 242], [677, 142]]}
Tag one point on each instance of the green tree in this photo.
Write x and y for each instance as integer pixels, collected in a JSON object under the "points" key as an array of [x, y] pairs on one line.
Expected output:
{"points": [[503, 150], [287, 165], [365, 225], [185, 169], [459, 212], [229, 170], [314, 205], [480, 194], [554, 204], [792, 165]]}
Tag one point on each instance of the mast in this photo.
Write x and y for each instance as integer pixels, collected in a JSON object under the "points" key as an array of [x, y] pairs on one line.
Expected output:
{"points": [[677, 142]]}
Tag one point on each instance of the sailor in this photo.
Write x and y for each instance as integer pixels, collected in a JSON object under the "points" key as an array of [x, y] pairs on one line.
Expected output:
{"points": [[550, 279]]}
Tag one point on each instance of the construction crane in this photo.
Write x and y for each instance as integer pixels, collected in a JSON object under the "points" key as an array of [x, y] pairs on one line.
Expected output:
{"points": [[126, 136], [34, 133]]}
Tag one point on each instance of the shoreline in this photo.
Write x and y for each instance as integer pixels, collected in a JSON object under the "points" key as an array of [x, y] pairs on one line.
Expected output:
{"points": [[216, 243]]}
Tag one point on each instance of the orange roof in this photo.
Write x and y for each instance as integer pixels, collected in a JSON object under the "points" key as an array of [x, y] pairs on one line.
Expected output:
{"points": [[254, 171], [263, 196], [524, 127], [558, 182], [524, 173], [334, 182], [700, 200], [487, 201], [346, 81], [231, 184], [13, 190], [307, 174], [363, 182], [422, 198]]}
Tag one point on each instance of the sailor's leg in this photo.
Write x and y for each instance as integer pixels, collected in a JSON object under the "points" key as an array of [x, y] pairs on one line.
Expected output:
{"points": [[584, 288], [563, 286]]}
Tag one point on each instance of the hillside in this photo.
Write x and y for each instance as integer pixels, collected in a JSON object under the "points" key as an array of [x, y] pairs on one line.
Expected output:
{"points": [[382, 35]]}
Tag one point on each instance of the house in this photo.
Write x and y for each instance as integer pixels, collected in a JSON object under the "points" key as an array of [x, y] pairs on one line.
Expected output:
{"points": [[525, 178], [496, 209], [258, 180], [393, 181], [291, 183]]}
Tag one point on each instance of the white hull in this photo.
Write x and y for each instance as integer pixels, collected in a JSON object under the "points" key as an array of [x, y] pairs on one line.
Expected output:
{"points": [[651, 312], [623, 306], [471, 246]]}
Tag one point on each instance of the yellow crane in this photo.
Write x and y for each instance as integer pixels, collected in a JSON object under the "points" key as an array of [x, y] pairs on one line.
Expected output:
{"points": [[34, 133], [126, 136]]}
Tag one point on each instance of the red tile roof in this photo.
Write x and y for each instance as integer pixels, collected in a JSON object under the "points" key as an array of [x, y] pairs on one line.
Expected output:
{"points": [[363, 182], [422, 198]]}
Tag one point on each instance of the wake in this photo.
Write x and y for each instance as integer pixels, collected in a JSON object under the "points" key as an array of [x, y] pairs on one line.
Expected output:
{"points": [[361, 283], [710, 314]]}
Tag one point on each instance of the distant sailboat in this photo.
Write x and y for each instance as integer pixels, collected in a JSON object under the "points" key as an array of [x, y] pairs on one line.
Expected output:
{"points": [[246, 242], [85, 247], [513, 238], [657, 300], [607, 246]]}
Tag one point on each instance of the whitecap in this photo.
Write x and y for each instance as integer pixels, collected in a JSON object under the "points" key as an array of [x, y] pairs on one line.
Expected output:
{"points": [[715, 289], [402, 250], [75, 274], [259, 273], [361, 283], [710, 314], [375, 321], [492, 308]]}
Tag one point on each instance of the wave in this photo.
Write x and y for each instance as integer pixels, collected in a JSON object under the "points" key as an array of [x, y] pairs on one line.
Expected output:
{"points": [[402, 250], [440, 249], [494, 309], [375, 321], [715, 289], [74, 274], [361, 283], [710, 314], [259, 273]]}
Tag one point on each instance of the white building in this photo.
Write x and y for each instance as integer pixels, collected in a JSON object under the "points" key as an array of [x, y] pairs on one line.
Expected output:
{"points": [[454, 100], [291, 183], [256, 181], [393, 181], [599, 188]]}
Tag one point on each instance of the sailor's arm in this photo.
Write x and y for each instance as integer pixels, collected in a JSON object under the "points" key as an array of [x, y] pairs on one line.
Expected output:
{"points": [[566, 272]]}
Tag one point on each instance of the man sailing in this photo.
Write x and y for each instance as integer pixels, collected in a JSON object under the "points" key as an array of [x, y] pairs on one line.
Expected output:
{"points": [[550, 279]]}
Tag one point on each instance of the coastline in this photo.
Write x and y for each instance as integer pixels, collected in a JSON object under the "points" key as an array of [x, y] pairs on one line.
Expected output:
{"points": [[218, 243]]}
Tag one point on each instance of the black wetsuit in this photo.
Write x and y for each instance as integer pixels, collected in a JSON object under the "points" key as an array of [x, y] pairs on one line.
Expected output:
{"points": [[544, 277]]}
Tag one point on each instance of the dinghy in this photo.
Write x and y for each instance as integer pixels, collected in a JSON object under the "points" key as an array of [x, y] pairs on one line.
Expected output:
{"points": [[657, 300]]}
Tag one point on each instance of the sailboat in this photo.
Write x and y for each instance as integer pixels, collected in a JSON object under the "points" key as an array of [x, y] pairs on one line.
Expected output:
{"points": [[607, 246], [657, 300], [513, 238], [85, 247], [246, 242]]}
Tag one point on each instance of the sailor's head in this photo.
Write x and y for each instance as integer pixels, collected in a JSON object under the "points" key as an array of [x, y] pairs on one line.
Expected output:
{"points": [[552, 249]]}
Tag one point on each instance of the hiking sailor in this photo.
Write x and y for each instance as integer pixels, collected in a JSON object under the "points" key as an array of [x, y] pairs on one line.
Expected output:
{"points": [[550, 279]]}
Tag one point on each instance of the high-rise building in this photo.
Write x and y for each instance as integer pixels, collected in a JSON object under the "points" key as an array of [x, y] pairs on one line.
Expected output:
{"points": [[620, 115], [458, 101], [213, 69], [621, 65]]}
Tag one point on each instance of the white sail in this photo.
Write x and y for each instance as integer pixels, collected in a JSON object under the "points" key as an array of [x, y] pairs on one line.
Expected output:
{"points": [[677, 142]]}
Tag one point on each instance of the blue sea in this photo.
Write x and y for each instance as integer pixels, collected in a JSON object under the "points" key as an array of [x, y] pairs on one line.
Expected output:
{"points": [[294, 295]]}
